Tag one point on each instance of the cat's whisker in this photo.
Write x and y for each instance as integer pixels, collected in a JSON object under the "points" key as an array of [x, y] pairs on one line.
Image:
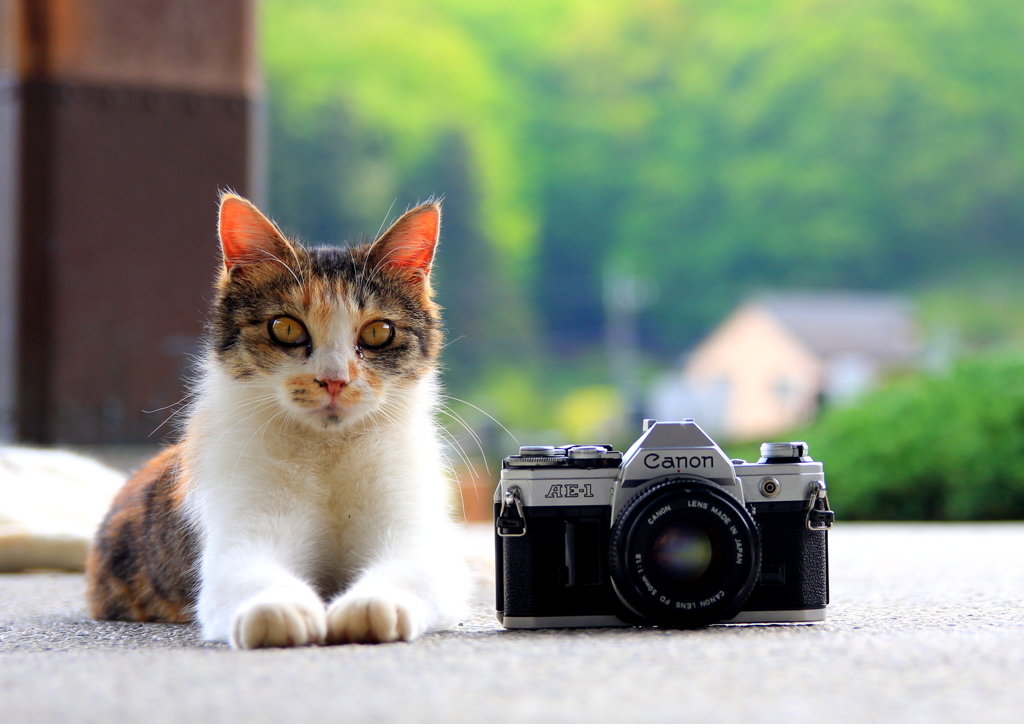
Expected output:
{"points": [[393, 419], [181, 406], [476, 438], [376, 424], [263, 436], [251, 402], [455, 485], [447, 409], [457, 446], [385, 219], [237, 423], [290, 270], [366, 259], [493, 419], [257, 408], [403, 404], [381, 263], [188, 394], [240, 413], [261, 428]]}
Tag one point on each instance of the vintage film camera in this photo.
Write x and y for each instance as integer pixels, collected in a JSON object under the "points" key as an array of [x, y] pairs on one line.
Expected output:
{"points": [[671, 533]]}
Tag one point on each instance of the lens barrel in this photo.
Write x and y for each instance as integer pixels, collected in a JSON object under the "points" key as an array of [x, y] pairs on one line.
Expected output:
{"points": [[684, 553]]}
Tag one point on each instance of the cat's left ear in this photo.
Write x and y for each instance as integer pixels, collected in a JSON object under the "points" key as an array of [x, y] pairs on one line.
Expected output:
{"points": [[408, 246], [247, 236]]}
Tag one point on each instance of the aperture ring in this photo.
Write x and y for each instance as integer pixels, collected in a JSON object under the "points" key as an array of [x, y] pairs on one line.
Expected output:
{"points": [[716, 563]]}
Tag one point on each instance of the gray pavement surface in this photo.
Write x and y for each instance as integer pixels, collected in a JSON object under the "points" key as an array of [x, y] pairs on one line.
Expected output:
{"points": [[926, 625]]}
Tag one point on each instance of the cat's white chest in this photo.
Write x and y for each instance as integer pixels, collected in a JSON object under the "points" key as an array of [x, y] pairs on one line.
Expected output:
{"points": [[351, 508], [328, 505]]}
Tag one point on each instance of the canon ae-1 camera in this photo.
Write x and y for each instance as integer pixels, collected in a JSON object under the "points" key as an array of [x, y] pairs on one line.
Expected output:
{"points": [[672, 533]]}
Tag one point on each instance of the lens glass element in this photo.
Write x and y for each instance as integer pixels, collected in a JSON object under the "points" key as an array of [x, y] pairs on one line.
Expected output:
{"points": [[683, 551]]}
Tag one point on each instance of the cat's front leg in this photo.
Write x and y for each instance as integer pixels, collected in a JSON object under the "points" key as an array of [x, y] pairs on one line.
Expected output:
{"points": [[376, 613], [251, 599], [400, 598], [279, 617]]}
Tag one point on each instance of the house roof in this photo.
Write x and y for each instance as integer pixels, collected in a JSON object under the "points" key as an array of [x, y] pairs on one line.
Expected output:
{"points": [[876, 324]]}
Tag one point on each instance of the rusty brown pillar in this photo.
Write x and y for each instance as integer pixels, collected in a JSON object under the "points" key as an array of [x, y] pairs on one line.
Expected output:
{"points": [[119, 122]]}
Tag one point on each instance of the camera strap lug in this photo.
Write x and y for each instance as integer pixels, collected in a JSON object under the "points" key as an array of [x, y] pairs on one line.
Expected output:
{"points": [[511, 521], [819, 515]]}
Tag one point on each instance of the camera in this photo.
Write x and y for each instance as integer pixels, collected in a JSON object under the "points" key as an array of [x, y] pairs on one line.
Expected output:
{"points": [[670, 533]]}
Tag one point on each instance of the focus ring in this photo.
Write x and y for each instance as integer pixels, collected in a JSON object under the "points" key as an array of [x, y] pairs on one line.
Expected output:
{"points": [[645, 577]]}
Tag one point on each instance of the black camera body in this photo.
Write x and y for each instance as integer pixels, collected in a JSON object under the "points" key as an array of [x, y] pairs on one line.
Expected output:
{"points": [[671, 533]]}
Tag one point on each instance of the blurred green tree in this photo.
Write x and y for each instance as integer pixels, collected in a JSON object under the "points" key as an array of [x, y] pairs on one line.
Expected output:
{"points": [[942, 447], [709, 147]]}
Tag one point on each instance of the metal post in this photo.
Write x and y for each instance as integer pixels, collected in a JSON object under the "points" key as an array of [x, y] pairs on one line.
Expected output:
{"points": [[624, 296]]}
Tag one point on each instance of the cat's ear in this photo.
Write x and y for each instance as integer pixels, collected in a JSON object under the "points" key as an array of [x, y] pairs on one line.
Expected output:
{"points": [[408, 246], [247, 236]]}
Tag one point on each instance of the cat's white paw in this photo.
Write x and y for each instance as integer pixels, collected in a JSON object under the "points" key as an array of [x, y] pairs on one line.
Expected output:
{"points": [[268, 623], [375, 618]]}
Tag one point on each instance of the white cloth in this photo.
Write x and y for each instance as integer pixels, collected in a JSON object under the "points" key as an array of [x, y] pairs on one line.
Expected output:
{"points": [[51, 502]]}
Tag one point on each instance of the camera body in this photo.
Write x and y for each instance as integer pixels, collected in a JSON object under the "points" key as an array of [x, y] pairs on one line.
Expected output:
{"points": [[670, 533]]}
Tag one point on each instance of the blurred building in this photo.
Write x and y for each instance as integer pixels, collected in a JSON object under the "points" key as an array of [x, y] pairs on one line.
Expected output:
{"points": [[120, 120], [777, 358]]}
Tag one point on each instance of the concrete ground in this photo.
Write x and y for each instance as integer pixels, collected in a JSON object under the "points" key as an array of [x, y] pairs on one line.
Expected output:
{"points": [[926, 625]]}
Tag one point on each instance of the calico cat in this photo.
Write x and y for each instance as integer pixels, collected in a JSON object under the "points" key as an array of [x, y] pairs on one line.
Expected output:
{"points": [[306, 502]]}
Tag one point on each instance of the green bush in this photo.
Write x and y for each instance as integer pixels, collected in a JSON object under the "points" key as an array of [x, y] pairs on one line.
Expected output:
{"points": [[947, 447]]}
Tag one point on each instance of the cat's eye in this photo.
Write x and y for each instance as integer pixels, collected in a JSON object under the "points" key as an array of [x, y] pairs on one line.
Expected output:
{"points": [[288, 331], [377, 334]]}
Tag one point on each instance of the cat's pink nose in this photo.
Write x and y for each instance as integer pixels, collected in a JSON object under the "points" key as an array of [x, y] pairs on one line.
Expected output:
{"points": [[333, 387]]}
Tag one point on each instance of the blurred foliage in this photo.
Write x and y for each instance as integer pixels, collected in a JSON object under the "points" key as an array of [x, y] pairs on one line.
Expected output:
{"points": [[708, 147], [590, 414], [930, 447], [403, 76], [981, 312]]}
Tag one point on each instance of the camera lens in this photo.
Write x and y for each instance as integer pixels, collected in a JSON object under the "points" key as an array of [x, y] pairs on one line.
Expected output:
{"points": [[684, 553]]}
